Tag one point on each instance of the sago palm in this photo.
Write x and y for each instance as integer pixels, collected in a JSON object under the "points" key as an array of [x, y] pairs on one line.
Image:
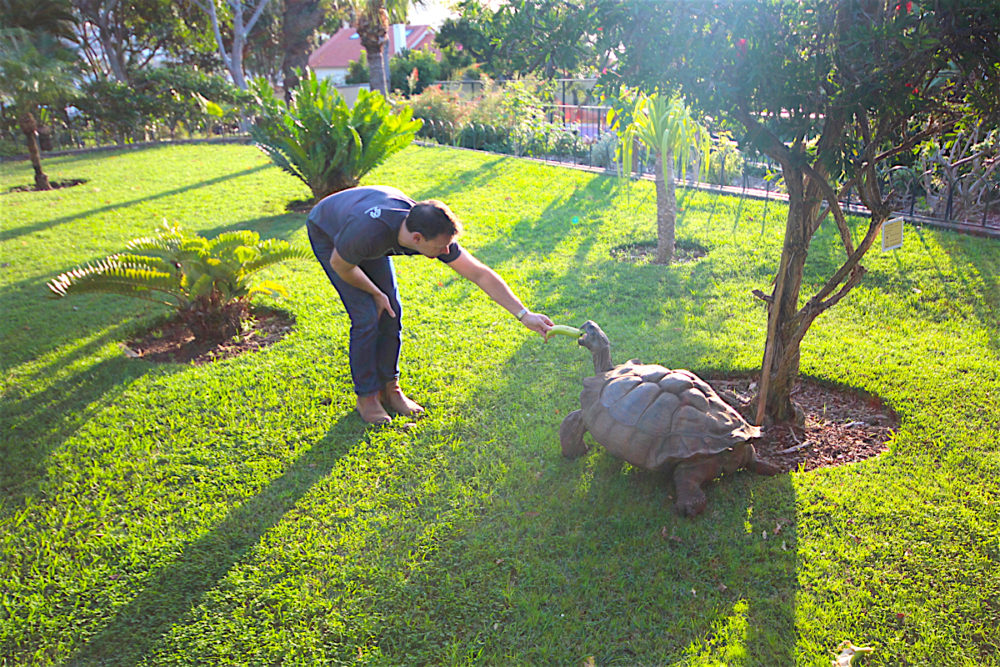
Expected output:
{"points": [[320, 140], [208, 281], [666, 128]]}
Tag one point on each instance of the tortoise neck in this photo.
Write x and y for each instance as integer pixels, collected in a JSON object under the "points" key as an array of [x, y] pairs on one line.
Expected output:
{"points": [[602, 360]]}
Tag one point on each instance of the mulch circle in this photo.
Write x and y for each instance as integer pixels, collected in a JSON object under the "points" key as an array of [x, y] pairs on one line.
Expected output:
{"points": [[642, 252], [300, 206], [841, 426], [172, 342], [68, 183]]}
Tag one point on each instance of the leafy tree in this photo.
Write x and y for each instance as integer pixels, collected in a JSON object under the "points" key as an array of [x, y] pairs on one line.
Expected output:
{"points": [[208, 281], [50, 17], [829, 90], [357, 70], [35, 69], [664, 126], [321, 141], [231, 30], [520, 37], [403, 65], [119, 38]]}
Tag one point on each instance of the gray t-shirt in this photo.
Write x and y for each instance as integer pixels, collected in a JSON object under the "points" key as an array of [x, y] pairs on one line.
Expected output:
{"points": [[364, 223]]}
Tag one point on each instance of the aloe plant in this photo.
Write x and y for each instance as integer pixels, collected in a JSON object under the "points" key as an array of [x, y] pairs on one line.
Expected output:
{"points": [[208, 281], [667, 128], [320, 140]]}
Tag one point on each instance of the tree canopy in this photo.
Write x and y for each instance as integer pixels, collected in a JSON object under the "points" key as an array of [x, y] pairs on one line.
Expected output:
{"points": [[830, 90]]}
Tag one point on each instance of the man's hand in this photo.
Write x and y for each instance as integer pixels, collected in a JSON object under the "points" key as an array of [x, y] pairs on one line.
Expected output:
{"points": [[538, 322], [382, 304]]}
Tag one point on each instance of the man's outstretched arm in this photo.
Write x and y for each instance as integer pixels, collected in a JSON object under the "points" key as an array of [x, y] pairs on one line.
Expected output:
{"points": [[497, 289]]}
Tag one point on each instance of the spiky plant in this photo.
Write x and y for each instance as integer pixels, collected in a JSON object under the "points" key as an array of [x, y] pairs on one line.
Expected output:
{"points": [[208, 281], [667, 128], [323, 142]]}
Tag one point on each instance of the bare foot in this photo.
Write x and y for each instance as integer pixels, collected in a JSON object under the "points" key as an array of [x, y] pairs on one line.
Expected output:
{"points": [[399, 402], [371, 410]]}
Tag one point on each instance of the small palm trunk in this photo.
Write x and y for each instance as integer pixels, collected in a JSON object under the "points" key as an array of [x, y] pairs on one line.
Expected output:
{"points": [[212, 322]]}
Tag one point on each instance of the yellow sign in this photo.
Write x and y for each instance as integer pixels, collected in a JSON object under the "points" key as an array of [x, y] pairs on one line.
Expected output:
{"points": [[892, 234]]}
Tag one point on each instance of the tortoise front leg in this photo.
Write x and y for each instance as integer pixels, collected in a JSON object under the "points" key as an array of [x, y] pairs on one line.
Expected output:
{"points": [[571, 435], [688, 478]]}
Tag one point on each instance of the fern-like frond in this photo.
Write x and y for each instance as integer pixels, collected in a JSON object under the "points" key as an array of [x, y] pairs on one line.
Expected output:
{"points": [[268, 287], [274, 254], [109, 275]]}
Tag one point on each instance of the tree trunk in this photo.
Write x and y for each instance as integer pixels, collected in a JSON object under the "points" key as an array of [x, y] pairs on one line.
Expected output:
{"points": [[780, 367], [298, 29], [666, 207], [212, 321], [30, 129], [373, 33]]}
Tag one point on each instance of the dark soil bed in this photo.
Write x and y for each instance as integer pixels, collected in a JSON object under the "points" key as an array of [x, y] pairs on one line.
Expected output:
{"points": [[172, 342], [68, 183], [840, 426], [645, 251]]}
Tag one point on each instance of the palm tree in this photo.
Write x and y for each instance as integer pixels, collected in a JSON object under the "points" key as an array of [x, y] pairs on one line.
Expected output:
{"points": [[667, 129], [34, 69], [371, 21], [52, 17], [36, 66], [299, 23]]}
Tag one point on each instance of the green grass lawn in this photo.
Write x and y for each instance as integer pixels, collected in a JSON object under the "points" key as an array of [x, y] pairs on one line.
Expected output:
{"points": [[240, 513]]}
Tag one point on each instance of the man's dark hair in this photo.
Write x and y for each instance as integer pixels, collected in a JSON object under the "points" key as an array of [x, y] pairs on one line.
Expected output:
{"points": [[432, 218]]}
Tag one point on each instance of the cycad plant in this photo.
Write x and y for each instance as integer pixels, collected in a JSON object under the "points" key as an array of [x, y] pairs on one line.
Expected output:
{"points": [[206, 280], [320, 140], [666, 128]]}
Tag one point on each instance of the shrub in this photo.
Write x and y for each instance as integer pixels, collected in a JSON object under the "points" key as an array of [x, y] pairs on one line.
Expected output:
{"points": [[443, 112], [401, 69], [206, 280], [357, 70], [160, 98], [323, 142]]}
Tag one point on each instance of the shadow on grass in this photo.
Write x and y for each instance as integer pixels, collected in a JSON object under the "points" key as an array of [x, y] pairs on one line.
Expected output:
{"points": [[460, 181], [28, 302], [572, 560], [37, 423], [175, 589], [8, 234]]}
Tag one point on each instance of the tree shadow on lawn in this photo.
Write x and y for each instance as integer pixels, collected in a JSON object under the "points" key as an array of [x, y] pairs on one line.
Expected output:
{"points": [[459, 181], [538, 236], [175, 589], [8, 234], [573, 559], [36, 423]]}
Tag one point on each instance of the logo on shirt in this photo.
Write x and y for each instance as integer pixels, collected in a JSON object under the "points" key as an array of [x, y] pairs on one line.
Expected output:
{"points": [[374, 211]]}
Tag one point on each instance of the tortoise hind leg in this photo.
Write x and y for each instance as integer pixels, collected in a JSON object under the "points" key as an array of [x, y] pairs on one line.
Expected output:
{"points": [[571, 435]]}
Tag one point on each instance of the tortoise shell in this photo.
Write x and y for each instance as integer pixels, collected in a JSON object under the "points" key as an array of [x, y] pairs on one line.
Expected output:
{"points": [[654, 417]]}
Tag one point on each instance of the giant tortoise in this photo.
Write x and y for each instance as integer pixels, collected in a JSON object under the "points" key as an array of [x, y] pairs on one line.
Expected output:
{"points": [[660, 419]]}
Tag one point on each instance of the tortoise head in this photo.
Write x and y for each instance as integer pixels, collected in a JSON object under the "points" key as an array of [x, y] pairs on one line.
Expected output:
{"points": [[597, 342]]}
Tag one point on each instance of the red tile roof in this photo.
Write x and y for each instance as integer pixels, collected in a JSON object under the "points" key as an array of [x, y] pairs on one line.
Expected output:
{"points": [[345, 46]]}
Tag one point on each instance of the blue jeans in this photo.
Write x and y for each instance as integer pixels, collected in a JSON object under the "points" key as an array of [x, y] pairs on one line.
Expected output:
{"points": [[374, 341]]}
